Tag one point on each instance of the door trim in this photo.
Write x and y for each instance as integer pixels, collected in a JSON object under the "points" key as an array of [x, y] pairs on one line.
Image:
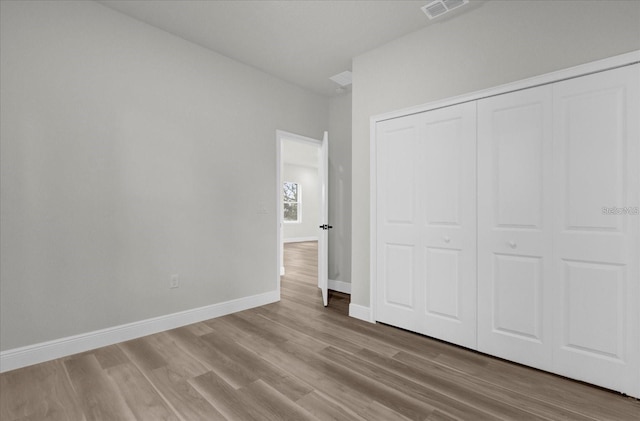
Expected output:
{"points": [[281, 135]]}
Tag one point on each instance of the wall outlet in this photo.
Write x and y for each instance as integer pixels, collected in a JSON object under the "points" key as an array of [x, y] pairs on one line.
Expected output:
{"points": [[174, 282]]}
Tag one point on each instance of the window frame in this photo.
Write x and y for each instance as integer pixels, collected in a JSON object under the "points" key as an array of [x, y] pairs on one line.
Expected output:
{"points": [[298, 203]]}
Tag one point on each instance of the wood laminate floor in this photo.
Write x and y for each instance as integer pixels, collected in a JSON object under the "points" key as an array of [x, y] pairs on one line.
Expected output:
{"points": [[296, 360]]}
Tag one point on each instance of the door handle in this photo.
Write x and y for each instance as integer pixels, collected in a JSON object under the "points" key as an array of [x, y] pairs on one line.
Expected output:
{"points": [[326, 227]]}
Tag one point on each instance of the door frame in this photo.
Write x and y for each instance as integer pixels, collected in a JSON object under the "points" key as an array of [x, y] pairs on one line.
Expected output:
{"points": [[281, 136]]}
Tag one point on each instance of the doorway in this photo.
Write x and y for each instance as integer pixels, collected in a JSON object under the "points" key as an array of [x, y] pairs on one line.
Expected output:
{"points": [[302, 165]]}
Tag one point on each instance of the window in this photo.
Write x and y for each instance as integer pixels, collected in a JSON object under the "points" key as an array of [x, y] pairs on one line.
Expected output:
{"points": [[291, 201]]}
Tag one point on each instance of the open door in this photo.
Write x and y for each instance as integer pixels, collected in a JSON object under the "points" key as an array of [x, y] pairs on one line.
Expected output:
{"points": [[323, 237], [323, 214]]}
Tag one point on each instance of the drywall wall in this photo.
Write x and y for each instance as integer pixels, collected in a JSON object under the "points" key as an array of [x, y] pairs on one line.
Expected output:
{"points": [[308, 179], [128, 155], [340, 188], [497, 43]]}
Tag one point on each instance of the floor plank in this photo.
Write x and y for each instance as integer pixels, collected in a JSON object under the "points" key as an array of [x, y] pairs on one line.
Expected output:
{"points": [[42, 391], [139, 394], [98, 395]]}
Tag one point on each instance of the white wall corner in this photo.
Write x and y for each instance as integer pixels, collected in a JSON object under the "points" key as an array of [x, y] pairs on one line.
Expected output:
{"points": [[340, 286], [360, 312], [33, 354]]}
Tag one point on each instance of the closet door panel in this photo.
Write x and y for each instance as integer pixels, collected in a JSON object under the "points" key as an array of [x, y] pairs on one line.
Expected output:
{"points": [[398, 262], [446, 192], [517, 296], [441, 148], [398, 265], [592, 290], [596, 160], [442, 270], [514, 226], [398, 147]]}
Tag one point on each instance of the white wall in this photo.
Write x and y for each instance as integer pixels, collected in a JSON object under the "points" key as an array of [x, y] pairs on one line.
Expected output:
{"points": [[127, 155], [340, 188], [496, 43], [308, 179]]}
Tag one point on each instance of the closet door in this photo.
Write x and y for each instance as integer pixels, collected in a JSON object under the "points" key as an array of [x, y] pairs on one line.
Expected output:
{"points": [[426, 223], [397, 243], [515, 226], [446, 200], [597, 183]]}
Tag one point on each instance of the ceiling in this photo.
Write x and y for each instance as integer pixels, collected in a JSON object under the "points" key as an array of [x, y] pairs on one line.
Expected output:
{"points": [[302, 42]]}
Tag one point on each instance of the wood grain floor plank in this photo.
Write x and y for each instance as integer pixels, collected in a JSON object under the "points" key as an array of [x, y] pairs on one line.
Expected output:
{"points": [[139, 394], [286, 384], [325, 409], [240, 323], [397, 338], [443, 378], [346, 396], [177, 359], [403, 404], [440, 416], [223, 365], [97, 394], [436, 395], [271, 404], [337, 332], [187, 401], [265, 326], [42, 391], [323, 334], [110, 356], [198, 329], [143, 353], [548, 388], [222, 396]]}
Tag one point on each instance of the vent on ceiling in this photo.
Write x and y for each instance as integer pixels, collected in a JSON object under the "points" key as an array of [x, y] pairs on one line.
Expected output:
{"points": [[342, 79], [438, 8]]}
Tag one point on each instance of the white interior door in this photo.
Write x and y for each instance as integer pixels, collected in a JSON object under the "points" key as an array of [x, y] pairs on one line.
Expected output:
{"points": [[596, 173], [397, 270], [323, 237], [322, 146], [446, 198], [426, 223], [515, 226]]}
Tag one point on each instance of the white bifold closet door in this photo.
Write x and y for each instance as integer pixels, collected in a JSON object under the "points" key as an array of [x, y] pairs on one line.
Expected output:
{"points": [[515, 226], [558, 230], [596, 297], [426, 223]]}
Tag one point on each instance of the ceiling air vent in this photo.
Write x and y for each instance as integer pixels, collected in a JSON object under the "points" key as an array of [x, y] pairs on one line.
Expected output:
{"points": [[342, 79], [440, 7]]}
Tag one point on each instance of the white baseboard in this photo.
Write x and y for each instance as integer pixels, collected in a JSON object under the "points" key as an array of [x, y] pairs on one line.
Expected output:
{"points": [[299, 239], [340, 286], [360, 312], [46, 351]]}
